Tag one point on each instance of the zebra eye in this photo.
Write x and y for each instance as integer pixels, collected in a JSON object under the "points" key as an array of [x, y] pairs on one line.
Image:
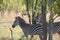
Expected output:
{"points": [[15, 17]]}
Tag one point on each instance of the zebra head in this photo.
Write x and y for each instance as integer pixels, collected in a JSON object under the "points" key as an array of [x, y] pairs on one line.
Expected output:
{"points": [[16, 22]]}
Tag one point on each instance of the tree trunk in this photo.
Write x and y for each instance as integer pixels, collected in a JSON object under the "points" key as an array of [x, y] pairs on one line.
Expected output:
{"points": [[50, 20], [33, 13], [50, 30], [44, 20], [50, 25], [28, 12]]}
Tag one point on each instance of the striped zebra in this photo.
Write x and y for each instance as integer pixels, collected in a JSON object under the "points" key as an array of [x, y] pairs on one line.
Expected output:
{"points": [[38, 18], [56, 25], [29, 29]]}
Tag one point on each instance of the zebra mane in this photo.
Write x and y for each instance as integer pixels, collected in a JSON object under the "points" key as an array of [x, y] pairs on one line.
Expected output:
{"points": [[20, 19]]}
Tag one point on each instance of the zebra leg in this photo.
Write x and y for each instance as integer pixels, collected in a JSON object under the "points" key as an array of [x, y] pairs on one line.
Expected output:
{"points": [[31, 37], [41, 37], [59, 33], [26, 37]]}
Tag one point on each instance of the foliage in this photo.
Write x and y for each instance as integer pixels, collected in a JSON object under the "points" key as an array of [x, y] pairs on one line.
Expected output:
{"points": [[21, 5]]}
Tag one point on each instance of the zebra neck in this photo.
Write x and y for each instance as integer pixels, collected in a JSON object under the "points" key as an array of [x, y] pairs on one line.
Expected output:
{"points": [[23, 25]]}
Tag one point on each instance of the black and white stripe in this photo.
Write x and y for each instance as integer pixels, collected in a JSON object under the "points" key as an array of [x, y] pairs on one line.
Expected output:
{"points": [[28, 29], [57, 26], [38, 29]]}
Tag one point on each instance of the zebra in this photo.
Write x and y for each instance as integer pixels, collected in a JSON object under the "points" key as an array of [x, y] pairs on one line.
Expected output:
{"points": [[56, 25], [28, 29], [38, 19], [55, 28]]}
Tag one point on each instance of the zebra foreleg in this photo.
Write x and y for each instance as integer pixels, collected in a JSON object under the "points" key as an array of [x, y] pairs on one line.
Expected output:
{"points": [[41, 37], [26, 37], [31, 37]]}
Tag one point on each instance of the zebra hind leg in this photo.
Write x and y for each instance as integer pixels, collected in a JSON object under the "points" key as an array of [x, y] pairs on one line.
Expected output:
{"points": [[59, 33]]}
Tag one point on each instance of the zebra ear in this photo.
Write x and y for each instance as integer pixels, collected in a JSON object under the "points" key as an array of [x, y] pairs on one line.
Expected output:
{"points": [[15, 17]]}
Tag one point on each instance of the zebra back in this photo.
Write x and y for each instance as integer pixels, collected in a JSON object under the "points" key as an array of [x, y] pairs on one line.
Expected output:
{"points": [[37, 29]]}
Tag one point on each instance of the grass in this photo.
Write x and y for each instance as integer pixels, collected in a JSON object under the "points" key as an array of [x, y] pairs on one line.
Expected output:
{"points": [[6, 33]]}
